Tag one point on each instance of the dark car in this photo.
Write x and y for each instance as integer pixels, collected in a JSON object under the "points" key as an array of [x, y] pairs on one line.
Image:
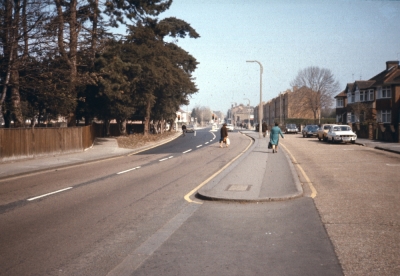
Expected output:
{"points": [[310, 130], [291, 128]]}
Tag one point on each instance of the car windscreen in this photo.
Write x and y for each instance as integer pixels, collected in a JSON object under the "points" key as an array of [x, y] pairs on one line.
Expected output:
{"points": [[345, 128]]}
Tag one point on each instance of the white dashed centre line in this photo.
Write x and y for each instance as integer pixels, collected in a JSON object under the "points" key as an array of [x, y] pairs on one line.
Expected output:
{"points": [[165, 158], [128, 170], [52, 193], [199, 146], [206, 143], [187, 151]]}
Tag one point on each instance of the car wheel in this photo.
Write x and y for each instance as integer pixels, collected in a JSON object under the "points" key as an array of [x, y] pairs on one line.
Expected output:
{"points": [[333, 140], [325, 139], [353, 141], [319, 138]]}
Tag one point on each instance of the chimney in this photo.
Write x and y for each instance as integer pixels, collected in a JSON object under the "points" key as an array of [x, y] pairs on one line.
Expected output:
{"points": [[391, 64]]}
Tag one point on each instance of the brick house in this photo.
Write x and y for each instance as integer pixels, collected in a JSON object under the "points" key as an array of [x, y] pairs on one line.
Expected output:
{"points": [[287, 105], [374, 103]]}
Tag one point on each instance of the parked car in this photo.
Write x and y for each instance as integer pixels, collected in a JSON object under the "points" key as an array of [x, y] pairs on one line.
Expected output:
{"points": [[230, 127], [310, 130], [291, 128], [190, 128], [341, 133], [323, 130]]}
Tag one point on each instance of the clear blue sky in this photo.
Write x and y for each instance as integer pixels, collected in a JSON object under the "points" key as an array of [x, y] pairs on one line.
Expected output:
{"points": [[353, 39]]}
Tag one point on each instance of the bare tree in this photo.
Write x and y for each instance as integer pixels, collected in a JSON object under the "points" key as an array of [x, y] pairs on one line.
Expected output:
{"points": [[362, 111], [318, 86]]}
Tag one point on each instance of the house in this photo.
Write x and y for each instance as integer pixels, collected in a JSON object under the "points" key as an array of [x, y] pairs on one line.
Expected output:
{"points": [[289, 104], [375, 101]]}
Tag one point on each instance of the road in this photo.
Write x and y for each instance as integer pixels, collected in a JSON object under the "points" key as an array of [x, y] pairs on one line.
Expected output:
{"points": [[128, 216]]}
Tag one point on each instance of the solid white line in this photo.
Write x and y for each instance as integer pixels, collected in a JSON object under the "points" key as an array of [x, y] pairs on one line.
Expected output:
{"points": [[128, 170], [187, 151], [52, 193], [199, 146]]}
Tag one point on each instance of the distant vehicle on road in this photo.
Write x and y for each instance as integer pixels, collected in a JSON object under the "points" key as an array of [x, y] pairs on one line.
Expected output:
{"points": [[323, 131], [310, 130], [291, 128], [230, 127], [341, 133], [190, 128]]}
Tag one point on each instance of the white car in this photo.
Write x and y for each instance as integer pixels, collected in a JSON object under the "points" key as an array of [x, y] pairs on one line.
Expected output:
{"points": [[230, 127], [341, 133]]}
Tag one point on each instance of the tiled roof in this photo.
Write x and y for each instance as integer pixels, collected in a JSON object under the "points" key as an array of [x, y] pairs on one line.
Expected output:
{"points": [[364, 84], [390, 75], [341, 94]]}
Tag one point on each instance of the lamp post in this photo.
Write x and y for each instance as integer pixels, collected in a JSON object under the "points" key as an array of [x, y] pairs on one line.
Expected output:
{"points": [[260, 107]]}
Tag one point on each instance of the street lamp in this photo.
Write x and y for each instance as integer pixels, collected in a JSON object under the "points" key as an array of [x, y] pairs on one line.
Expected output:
{"points": [[260, 107]]}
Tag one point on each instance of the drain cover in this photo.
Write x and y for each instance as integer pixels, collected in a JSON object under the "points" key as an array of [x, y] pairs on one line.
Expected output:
{"points": [[239, 188]]}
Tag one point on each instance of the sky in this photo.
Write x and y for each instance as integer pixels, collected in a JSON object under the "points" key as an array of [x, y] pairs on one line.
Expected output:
{"points": [[353, 39]]}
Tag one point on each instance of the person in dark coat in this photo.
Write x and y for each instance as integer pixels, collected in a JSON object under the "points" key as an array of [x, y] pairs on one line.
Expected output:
{"points": [[274, 137], [224, 135], [264, 128], [183, 130]]}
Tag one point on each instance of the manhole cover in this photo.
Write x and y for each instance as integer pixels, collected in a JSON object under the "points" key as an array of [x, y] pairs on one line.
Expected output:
{"points": [[239, 188]]}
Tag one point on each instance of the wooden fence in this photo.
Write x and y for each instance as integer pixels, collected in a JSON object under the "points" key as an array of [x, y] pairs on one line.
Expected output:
{"points": [[20, 143]]}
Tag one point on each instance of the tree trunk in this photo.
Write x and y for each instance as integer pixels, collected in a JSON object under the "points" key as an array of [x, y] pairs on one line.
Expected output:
{"points": [[122, 127], [147, 118]]}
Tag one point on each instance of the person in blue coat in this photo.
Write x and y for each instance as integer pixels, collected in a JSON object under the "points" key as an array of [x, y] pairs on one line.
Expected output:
{"points": [[274, 137]]}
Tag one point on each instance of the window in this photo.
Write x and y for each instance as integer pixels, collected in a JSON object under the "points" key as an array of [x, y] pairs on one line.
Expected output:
{"points": [[384, 116], [353, 97], [357, 96], [349, 97], [339, 102], [370, 94], [386, 92], [362, 96]]}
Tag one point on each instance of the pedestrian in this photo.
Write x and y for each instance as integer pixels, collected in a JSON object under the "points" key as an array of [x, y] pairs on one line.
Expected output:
{"points": [[183, 130], [224, 136], [274, 138], [264, 128]]}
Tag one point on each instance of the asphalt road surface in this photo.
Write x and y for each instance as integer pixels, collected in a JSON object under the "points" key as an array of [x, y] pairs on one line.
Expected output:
{"points": [[128, 216]]}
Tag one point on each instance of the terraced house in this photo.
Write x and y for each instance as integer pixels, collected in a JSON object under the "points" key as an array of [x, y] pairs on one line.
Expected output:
{"points": [[372, 106]]}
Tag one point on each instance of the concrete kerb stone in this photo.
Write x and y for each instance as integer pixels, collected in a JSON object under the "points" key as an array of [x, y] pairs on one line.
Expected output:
{"points": [[218, 178]]}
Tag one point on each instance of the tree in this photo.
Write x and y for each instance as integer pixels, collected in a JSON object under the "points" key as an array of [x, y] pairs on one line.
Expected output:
{"points": [[166, 68], [19, 24], [317, 88]]}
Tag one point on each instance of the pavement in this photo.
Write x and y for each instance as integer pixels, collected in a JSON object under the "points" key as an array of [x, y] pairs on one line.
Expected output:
{"points": [[257, 175]]}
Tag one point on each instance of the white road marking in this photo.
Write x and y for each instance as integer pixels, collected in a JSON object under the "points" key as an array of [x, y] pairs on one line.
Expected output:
{"points": [[392, 165], [165, 158], [187, 151], [129, 170], [206, 143], [52, 193], [199, 146]]}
